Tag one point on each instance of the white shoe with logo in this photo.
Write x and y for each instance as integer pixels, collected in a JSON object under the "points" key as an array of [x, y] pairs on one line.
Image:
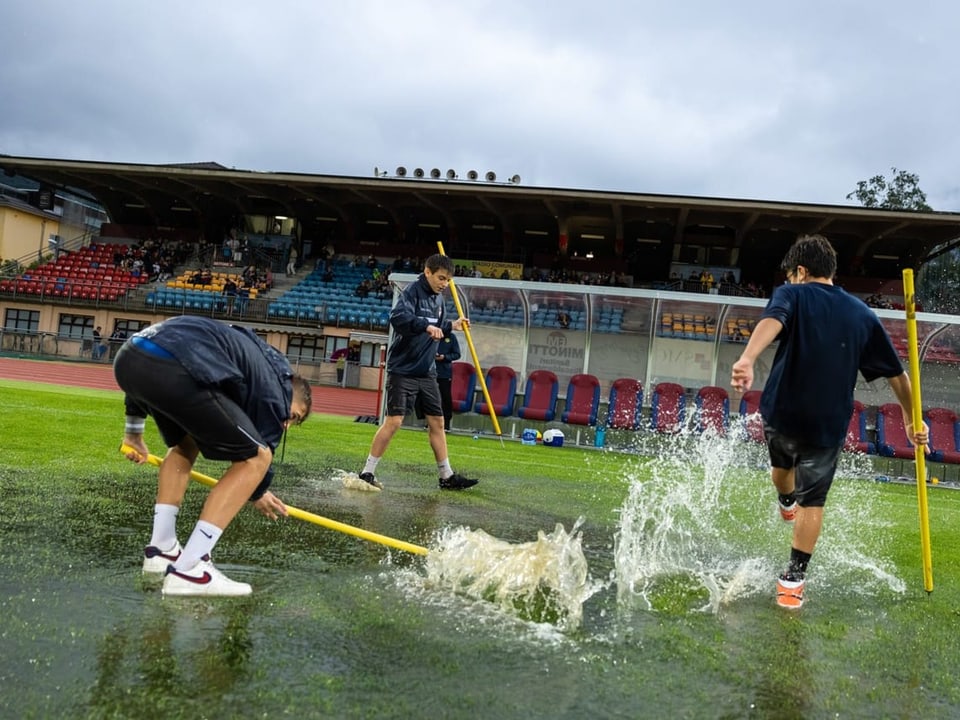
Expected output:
{"points": [[156, 561], [203, 579]]}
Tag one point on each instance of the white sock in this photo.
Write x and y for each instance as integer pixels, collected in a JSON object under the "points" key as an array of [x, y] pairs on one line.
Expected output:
{"points": [[371, 465], [445, 469], [201, 542], [164, 526]]}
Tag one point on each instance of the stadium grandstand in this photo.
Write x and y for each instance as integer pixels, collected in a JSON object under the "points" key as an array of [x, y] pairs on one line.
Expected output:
{"points": [[612, 285]]}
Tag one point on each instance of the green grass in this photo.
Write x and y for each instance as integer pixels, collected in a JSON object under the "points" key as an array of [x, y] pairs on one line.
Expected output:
{"points": [[339, 627]]}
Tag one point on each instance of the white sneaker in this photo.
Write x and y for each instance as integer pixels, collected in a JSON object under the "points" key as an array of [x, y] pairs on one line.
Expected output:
{"points": [[203, 579], [156, 561]]}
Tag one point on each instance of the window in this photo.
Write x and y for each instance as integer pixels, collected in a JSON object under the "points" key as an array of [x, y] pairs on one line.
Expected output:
{"points": [[22, 320], [75, 326], [308, 348], [129, 327]]}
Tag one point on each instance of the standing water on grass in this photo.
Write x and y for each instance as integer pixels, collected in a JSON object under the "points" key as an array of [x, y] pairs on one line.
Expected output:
{"points": [[699, 529]]}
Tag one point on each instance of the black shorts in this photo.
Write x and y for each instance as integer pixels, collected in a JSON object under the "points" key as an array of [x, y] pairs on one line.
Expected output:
{"points": [[815, 466], [403, 392], [181, 407]]}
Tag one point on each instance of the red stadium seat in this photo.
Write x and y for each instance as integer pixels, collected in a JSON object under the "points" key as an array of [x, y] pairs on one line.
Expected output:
{"points": [[501, 382], [540, 396], [750, 415], [668, 406], [857, 439], [625, 405], [583, 400], [713, 410], [891, 435], [463, 386], [944, 435]]}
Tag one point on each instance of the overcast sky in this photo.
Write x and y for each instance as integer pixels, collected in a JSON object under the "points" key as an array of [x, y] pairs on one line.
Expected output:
{"points": [[765, 100]]}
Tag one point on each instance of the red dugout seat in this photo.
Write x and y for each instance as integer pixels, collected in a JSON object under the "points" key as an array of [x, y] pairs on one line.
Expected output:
{"points": [[750, 415], [463, 386], [501, 383], [668, 406], [625, 405], [583, 400], [713, 410], [540, 396]]}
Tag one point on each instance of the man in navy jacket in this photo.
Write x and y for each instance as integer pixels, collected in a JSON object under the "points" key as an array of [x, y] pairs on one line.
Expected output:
{"points": [[219, 390], [419, 323]]}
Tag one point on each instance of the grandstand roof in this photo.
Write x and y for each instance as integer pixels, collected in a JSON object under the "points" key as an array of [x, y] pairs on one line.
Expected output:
{"points": [[188, 195]]}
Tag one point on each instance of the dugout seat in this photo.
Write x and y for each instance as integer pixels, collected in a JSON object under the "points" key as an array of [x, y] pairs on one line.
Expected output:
{"points": [[944, 435], [891, 435], [857, 438], [583, 400], [625, 405], [713, 410], [668, 406], [463, 386], [501, 381], [540, 396], [750, 415]]}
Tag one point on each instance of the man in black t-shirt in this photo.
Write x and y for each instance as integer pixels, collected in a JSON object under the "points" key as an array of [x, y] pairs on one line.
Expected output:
{"points": [[826, 336]]}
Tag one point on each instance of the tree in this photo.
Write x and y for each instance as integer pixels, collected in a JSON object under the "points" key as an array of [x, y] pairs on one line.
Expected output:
{"points": [[901, 192], [937, 283]]}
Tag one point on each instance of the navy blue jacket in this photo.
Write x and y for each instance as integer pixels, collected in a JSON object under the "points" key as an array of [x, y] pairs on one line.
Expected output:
{"points": [[233, 359], [412, 351], [449, 347]]}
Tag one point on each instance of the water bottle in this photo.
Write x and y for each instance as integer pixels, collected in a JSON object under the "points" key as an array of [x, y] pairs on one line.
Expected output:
{"points": [[600, 437]]}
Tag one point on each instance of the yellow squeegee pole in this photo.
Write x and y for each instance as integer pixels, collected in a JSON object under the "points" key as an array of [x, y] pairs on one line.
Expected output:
{"points": [[910, 305], [473, 352], [307, 516]]}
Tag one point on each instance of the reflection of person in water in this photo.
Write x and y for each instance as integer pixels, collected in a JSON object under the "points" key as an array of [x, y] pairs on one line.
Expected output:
{"points": [[784, 685], [168, 655]]}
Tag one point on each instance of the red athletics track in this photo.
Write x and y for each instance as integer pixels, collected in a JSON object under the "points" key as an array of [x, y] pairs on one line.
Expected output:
{"points": [[326, 399]]}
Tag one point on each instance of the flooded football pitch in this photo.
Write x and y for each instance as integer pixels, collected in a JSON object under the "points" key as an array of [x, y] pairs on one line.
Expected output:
{"points": [[659, 607]]}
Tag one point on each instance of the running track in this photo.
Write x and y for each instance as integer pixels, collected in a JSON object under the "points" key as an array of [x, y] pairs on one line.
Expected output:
{"points": [[326, 399]]}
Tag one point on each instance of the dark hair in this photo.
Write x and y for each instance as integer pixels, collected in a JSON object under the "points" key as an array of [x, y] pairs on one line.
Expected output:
{"points": [[439, 262], [815, 253], [302, 392]]}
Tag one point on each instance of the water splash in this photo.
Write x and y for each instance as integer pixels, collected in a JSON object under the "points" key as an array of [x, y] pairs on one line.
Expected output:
{"points": [[695, 519], [546, 580]]}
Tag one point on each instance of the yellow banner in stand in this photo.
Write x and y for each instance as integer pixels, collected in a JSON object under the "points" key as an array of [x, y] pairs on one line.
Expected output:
{"points": [[493, 270]]}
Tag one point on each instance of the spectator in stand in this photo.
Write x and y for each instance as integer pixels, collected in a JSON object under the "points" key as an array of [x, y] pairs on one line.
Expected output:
{"points": [[292, 260], [706, 280], [116, 340], [240, 252], [878, 301], [362, 290], [382, 286], [329, 253], [340, 358], [98, 348], [563, 319]]}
